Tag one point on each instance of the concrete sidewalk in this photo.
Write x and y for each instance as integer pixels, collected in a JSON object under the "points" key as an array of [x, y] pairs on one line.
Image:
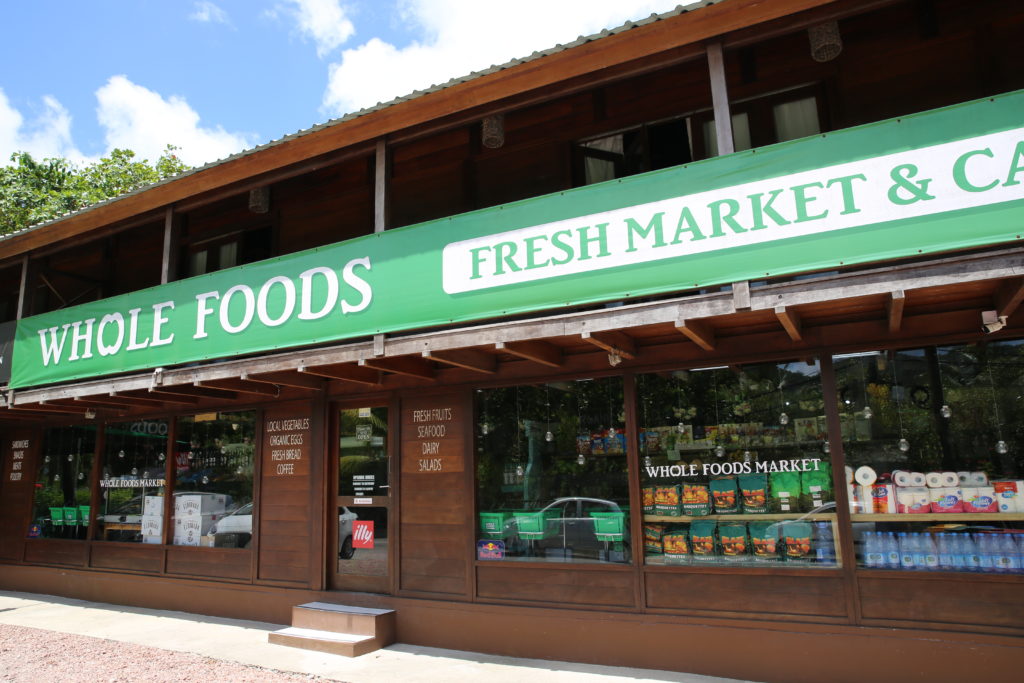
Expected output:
{"points": [[245, 642]]}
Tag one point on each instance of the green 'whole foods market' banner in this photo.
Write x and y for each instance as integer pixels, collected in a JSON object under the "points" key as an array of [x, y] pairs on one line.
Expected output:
{"points": [[941, 180]]}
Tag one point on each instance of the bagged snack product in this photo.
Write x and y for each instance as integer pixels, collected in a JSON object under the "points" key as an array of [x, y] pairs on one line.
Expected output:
{"points": [[764, 541], [666, 501], [598, 443], [615, 444], [676, 543], [797, 539], [724, 493], [784, 492], [754, 492], [733, 537], [583, 444], [696, 500], [648, 500], [653, 533], [816, 487], [702, 541]]}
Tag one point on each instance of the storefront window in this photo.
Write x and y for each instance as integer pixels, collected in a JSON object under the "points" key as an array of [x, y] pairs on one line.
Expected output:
{"points": [[213, 476], [933, 442], [362, 452], [735, 467], [62, 485], [551, 472], [133, 482]]}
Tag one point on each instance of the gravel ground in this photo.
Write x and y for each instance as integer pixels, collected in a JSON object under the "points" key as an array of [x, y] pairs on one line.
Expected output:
{"points": [[29, 655]]}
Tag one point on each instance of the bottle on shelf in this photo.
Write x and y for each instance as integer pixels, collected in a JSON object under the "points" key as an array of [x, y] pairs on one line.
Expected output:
{"points": [[892, 551], [874, 556], [917, 548], [945, 552], [931, 553], [972, 556], [1009, 560], [986, 554], [906, 550]]}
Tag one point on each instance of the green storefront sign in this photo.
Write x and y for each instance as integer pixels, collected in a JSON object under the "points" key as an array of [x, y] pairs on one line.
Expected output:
{"points": [[942, 180]]}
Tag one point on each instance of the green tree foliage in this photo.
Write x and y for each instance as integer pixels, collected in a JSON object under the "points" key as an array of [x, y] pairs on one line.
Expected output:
{"points": [[34, 191]]}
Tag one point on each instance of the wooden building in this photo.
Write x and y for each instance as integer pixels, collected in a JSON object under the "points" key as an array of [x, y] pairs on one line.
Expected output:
{"points": [[553, 363]]}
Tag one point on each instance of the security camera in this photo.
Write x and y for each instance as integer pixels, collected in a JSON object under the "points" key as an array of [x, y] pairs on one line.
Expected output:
{"points": [[991, 321]]}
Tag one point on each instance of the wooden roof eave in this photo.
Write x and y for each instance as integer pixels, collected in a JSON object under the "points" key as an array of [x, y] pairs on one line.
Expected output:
{"points": [[689, 28]]}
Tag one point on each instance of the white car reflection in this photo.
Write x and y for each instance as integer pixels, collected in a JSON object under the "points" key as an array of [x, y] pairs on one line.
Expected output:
{"points": [[235, 530]]}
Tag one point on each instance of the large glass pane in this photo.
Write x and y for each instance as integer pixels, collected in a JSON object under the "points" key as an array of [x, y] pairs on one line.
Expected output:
{"points": [[133, 481], [933, 437], [551, 472], [736, 467], [62, 484], [362, 452], [213, 466], [363, 541]]}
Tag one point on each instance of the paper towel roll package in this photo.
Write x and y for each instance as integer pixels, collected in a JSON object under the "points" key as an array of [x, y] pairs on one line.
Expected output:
{"points": [[851, 495], [917, 479], [964, 478], [901, 478], [913, 500], [1009, 495], [934, 480], [978, 479], [883, 498], [946, 500], [865, 476], [864, 498], [950, 479], [979, 499]]}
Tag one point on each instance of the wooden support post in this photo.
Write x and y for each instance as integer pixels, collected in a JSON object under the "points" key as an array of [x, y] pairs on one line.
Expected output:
{"points": [[409, 366], [541, 352], [894, 310], [701, 334], [1009, 296], [380, 187], [720, 99], [344, 371], [23, 302], [169, 263], [613, 341], [790, 320], [469, 359]]}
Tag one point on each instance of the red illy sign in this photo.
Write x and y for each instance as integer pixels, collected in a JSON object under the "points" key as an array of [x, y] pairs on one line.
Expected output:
{"points": [[362, 534]]}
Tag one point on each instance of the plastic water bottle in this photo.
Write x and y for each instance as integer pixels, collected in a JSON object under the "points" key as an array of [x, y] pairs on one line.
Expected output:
{"points": [[1008, 551], [972, 556], [906, 551], [931, 553], [918, 549], [983, 542], [957, 549], [892, 551], [875, 555], [945, 552]]}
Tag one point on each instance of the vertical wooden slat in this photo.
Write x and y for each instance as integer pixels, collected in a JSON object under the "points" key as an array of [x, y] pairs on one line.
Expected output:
{"points": [[720, 99], [636, 516], [168, 264], [23, 289], [380, 187]]}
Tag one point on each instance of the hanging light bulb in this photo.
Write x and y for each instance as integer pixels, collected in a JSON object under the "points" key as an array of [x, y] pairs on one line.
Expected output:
{"points": [[120, 454], [484, 429], [46, 459], [549, 436], [56, 477], [647, 461], [783, 419], [135, 470], [206, 480], [70, 457], [826, 447], [747, 457], [680, 427], [945, 411], [1001, 447], [903, 445], [611, 431], [867, 413], [519, 470], [190, 455], [719, 451], [81, 475], [161, 457], [580, 460]]}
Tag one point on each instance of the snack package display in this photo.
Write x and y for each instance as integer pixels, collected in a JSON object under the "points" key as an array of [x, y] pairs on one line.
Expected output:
{"points": [[733, 538], [764, 541], [754, 492], [696, 500], [583, 444], [797, 539], [676, 544], [816, 487], [784, 492], [653, 533], [702, 541], [648, 500], [667, 501], [724, 494]]}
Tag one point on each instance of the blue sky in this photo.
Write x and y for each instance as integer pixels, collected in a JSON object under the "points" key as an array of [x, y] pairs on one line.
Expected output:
{"points": [[213, 77]]}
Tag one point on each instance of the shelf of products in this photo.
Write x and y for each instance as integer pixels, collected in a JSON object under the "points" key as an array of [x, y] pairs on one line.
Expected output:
{"points": [[940, 517], [748, 517]]}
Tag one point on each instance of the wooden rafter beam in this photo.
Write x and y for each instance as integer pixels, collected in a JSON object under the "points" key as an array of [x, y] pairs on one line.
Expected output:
{"points": [[410, 366], [894, 310], [541, 352], [344, 371], [612, 341], [700, 333], [1009, 296], [49, 407], [286, 378], [199, 392], [119, 403], [167, 397], [790, 321], [132, 400], [242, 386], [469, 359]]}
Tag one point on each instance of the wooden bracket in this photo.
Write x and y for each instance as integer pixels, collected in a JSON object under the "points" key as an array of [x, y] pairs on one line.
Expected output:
{"points": [[613, 341], [470, 359], [741, 295], [541, 352], [790, 320], [344, 371], [894, 310], [702, 334], [409, 366], [1009, 296]]}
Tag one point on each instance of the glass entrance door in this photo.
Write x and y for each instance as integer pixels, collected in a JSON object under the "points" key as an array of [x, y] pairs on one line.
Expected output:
{"points": [[360, 554]]}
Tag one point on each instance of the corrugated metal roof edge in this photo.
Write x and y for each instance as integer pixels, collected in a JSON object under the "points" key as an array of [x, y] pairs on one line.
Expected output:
{"points": [[581, 40]]}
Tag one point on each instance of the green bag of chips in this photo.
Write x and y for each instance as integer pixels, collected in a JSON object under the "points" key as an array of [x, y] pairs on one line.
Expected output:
{"points": [[733, 538], [653, 534], [764, 541], [784, 492], [703, 546], [725, 495], [754, 493], [676, 543], [816, 487]]}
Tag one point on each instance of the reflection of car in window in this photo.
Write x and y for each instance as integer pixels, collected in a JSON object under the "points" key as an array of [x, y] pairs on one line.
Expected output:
{"points": [[235, 530], [124, 523]]}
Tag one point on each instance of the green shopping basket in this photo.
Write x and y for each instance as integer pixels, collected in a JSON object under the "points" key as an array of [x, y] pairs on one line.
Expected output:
{"points": [[609, 526], [533, 526], [495, 525]]}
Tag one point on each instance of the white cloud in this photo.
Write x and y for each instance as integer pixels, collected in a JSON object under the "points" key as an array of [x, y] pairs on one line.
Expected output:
{"points": [[326, 22], [208, 13], [461, 36], [47, 134], [139, 119]]}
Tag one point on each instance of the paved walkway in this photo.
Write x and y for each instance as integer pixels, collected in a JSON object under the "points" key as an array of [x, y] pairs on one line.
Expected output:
{"points": [[245, 642]]}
